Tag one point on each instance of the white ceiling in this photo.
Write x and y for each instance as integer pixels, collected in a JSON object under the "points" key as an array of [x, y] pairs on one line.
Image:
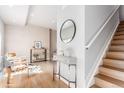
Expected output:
{"points": [[45, 15], [41, 15], [15, 15]]}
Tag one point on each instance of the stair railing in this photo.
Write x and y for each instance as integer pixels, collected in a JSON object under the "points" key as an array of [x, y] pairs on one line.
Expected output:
{"points": [[101, 29]]}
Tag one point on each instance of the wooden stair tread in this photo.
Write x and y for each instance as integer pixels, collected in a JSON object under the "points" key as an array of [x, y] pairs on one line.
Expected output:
{"points": [[115, 55], [113, 72], [113, 68], [114, 63], [119, 48], [111, 60], [111, 80], [120, 37], [95, 86], [121, 26], [119, 33], [117, 42], [121, 23]]}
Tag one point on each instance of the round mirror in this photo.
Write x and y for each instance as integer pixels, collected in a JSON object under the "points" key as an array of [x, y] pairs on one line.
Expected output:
{"points": [[67, 31]]}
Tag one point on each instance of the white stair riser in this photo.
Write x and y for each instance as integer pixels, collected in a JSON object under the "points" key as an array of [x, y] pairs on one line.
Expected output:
{"points": [[105, 84], [112, 73]]}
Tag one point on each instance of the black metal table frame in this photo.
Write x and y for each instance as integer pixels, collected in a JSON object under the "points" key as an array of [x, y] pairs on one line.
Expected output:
{"points": [[60, 76]]}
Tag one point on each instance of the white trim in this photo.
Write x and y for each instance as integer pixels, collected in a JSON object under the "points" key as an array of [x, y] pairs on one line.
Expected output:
{"points": [[101, 29], [95, 69]]}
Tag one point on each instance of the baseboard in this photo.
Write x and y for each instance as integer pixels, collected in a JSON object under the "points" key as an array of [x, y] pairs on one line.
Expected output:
{"points": [[99, 62]]}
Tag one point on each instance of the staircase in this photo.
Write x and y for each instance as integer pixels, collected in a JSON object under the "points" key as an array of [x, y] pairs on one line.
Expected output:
{"points": [[111, 73]]}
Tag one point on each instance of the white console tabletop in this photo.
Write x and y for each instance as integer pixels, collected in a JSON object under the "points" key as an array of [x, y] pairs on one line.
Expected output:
{"points": [[65, 59]]}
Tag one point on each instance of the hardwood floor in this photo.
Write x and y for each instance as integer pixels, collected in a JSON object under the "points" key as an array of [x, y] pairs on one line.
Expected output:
{"points": [[40, 80]]}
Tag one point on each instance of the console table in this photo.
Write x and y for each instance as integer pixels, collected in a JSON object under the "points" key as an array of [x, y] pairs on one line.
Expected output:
{"points": [[69, 61], [37, 54]]}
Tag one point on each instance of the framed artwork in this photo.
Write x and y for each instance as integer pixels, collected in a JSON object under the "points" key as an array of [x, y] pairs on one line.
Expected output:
{"points": [[37, 44]]}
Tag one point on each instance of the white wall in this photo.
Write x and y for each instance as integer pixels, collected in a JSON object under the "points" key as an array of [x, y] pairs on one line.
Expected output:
{"points": [[76, 47], [121, 12], [95, 51], [95, 16], [1, 43], [1, 38], [21, 39]]}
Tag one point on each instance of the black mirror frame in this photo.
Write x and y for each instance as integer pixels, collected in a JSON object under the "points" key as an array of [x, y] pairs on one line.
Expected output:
{"points": [[74, 29]]}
